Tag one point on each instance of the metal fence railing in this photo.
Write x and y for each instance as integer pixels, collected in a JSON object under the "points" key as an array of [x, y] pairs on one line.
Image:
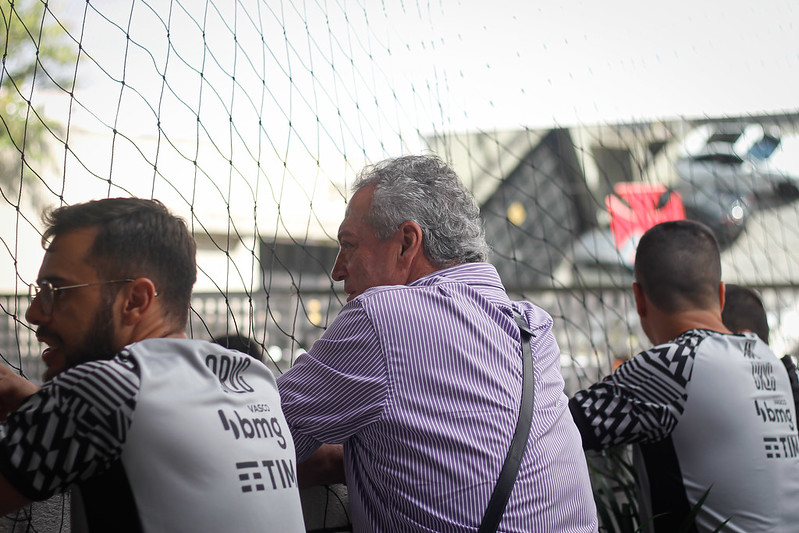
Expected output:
{"points": [[595, 328]]}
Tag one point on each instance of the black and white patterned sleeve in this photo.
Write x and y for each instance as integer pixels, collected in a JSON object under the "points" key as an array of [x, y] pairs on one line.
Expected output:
{"points": [[642, 401], [73, 428]]}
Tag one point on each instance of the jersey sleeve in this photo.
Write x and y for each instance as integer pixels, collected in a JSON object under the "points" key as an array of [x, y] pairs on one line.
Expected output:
{"points": [[642, 401], [339, 386], [73, 428]]}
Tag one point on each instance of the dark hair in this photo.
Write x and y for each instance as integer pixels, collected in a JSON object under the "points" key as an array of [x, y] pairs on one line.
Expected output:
{"points": [[241, 344], [422, 188], [743, 310], [679, 267], [135, 238]]}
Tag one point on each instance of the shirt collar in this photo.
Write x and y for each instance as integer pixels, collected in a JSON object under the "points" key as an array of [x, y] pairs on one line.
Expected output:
{"points": [[483, 275]]}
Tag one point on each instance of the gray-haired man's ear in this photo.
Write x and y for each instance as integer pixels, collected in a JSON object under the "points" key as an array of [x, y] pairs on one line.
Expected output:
{"points": [[411, 235]]}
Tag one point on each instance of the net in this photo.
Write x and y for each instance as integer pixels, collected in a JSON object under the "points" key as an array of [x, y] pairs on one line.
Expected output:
{"points": [[251, 119]]}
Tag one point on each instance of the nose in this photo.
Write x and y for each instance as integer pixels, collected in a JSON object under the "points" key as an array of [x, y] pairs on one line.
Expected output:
{"points": [[34, 314], [339, 271]]}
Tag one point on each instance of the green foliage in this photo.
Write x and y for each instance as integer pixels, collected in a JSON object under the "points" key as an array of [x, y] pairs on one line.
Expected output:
{"points": [[36, 54], [613, 480]]}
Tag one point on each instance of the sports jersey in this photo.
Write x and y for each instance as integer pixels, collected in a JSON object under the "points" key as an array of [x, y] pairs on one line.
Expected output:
{"points": [[170, 435], [712, 414]]}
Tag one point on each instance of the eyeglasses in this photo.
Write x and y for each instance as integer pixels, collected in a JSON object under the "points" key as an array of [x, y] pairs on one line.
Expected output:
{"points": [[47, 293]]}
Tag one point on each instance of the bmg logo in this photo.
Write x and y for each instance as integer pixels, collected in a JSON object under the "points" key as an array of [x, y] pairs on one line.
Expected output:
{"points": [[253, 428]]}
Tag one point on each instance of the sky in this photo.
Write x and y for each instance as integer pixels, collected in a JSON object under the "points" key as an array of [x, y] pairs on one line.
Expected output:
{"points": [[395, 67], [583, 62], [316, 89]]}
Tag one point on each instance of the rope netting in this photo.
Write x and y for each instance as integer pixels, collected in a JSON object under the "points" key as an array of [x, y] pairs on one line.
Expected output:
{"points": [[575, 126]]}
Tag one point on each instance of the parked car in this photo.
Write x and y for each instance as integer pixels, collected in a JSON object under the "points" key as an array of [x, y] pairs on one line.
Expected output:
{"points": [[723, 211], [740, 160], [605, 255]]}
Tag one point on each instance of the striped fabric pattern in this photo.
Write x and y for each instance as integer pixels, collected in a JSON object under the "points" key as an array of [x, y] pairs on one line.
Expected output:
{"points": [[73, 428], [713, 421], [643, 400], [422, 384]]}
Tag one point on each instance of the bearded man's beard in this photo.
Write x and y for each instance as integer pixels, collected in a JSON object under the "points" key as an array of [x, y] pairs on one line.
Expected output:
{"points": [[98, 342]]}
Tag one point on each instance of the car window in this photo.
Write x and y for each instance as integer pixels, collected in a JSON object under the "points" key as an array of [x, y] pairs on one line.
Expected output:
{"points": [[763, 148]]}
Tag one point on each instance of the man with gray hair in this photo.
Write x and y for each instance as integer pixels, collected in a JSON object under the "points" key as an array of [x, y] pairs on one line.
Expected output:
{"points": [[420, 375]]}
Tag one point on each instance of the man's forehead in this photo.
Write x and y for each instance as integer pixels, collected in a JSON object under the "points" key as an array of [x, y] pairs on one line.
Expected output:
{"points": [[360, 202], [65, 256], [349, 228], [355, 216], [80, 237]]}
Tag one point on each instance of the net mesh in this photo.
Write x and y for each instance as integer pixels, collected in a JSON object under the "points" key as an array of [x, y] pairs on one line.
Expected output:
{"points": [[251, 119]]}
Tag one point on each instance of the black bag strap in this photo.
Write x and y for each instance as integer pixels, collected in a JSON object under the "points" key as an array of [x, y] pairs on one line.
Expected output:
{"points": [[513, 460], [787, 360]]}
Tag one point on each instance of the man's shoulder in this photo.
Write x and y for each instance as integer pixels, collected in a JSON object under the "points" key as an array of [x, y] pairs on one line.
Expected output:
{"points": [[467, 273], [535, 316], [177, 348], [706, 339], [473, 278], [119, 372], [700, 344], [125, 368], [690, 339], [680, 351], [165, 343]]}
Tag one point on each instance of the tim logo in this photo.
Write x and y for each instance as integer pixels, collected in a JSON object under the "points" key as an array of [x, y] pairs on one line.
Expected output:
{"points": [[253, 475], [229, 371], [782, 447]]}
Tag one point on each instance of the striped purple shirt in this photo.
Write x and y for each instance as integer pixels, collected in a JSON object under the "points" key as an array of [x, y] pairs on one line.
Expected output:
{"points": [[422, 383]]}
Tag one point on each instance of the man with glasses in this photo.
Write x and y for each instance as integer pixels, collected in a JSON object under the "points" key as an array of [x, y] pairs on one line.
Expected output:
{"points": [[151, 430], [47, 295]]}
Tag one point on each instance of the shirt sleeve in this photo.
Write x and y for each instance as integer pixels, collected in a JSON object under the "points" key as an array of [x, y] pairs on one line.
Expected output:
{"points": [[73, 428], [642, 401], [339, 386]]}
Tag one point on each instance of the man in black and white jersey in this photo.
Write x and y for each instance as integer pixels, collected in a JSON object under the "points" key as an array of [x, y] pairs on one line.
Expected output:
{"points": [[744, 311], [151, 430], [710, 412]]}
